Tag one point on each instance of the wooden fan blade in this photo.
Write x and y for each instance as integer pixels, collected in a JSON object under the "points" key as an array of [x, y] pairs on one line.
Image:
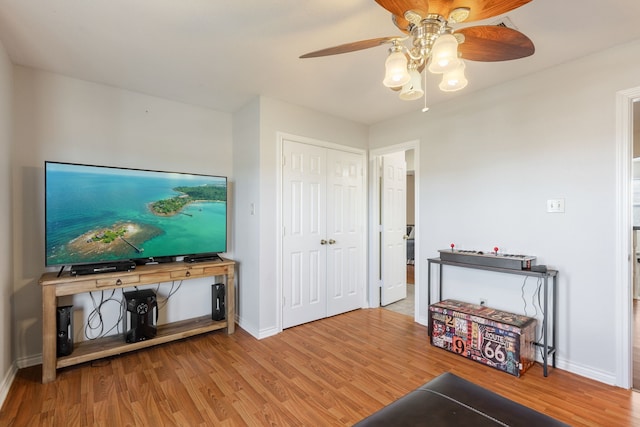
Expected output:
{"points": [[478, 9], [399, 7], [491, 43], [349, 47], [401, 23]]}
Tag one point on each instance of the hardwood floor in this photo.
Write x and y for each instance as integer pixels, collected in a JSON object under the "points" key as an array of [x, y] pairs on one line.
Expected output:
{"points": [[331, 372]]}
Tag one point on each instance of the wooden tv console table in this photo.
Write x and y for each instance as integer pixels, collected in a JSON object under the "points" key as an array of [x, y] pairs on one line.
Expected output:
{"points": [[54, 287]]}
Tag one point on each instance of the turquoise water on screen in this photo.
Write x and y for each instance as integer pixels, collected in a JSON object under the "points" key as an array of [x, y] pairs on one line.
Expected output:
{"points": [[80, 199]]}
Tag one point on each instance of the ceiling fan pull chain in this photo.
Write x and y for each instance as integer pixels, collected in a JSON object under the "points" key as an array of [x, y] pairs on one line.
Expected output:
{"points": [[425, 109]]}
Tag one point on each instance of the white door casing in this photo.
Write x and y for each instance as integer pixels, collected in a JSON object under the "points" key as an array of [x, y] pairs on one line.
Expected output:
{"points": [[394, 228]]}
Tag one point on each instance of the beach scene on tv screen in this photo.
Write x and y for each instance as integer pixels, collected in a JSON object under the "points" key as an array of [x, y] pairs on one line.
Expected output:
{"points": [[98, 214]]}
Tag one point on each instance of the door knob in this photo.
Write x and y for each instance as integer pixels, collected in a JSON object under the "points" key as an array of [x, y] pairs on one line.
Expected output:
{"points": [[331, 241], [405, 237], [323, 242]]}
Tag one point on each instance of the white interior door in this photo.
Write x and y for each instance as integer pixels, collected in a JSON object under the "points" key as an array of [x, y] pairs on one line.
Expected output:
{"points": [[323, 255], [345, 251], [304, 222], [394, 228]]}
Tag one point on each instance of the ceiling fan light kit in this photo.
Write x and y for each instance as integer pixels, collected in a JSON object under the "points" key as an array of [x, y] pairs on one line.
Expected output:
{"points": [[444, 54], [396, 74], [454, 80], [413, 89], [436, 46]]}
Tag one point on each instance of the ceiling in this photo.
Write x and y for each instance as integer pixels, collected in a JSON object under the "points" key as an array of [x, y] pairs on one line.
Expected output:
{"points": [[221, 54]]}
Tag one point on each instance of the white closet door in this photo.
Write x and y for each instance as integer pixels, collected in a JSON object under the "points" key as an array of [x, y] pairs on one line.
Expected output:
{"points": [[304, 219], [394, 228], [345, 257], [323, 261]]}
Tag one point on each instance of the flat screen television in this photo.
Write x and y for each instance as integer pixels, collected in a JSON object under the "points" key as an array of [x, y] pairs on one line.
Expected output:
{"points": [[99, 214]]}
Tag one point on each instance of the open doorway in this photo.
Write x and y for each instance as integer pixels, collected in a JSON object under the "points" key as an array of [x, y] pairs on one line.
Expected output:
{"points": [[408, 264], [406, 305]]}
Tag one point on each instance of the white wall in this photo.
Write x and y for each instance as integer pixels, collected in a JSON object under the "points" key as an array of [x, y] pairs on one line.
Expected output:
{"points": [[246, 237], [491, 159], [7, 369], [64, 119], [258, 281]]}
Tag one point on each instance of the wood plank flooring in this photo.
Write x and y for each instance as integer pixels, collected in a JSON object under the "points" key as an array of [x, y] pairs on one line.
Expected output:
{"points": [[332, 372], [411, 274]]}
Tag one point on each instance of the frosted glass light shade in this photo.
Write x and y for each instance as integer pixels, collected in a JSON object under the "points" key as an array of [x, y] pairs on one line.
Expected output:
{"points": [[413, 89], [396, 73], [454, 80], [444, 55]]}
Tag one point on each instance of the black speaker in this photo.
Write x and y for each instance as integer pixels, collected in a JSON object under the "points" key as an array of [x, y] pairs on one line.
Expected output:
{"points": [[140, 313], [64, 320], [218, 311]]}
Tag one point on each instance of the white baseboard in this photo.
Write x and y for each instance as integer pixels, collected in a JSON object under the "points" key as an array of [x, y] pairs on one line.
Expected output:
{"points": [[25, 362], [585, 371], [266, 333], [5, 385], [256, 333]]}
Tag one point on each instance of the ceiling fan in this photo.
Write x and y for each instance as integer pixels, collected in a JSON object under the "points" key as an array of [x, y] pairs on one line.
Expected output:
{"points": [[435, 45]]}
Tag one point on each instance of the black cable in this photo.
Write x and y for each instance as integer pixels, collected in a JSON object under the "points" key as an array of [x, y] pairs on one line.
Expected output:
{"points": [[538, 336], [543, 326], [524, 283], [172, 292], [116, 326], [533, 302], [98, 325], [92, 315], [95, 320]]}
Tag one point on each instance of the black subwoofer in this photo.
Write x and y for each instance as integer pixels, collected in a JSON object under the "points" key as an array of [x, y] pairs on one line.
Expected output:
{"points": [[140, 313], [218, 311], [64, 327]]}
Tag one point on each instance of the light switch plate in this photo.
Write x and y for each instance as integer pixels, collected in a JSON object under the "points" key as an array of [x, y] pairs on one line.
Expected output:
{"points": [[555, 205]]}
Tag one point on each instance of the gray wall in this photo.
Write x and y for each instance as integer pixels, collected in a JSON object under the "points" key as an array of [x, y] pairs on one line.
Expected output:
{"points": [[6, 231], [256, 131], [491, 159], [63, 119], [488, 162]]}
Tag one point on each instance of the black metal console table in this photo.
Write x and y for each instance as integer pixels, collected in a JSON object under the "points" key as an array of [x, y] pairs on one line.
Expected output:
{"points": [[548, 343]]}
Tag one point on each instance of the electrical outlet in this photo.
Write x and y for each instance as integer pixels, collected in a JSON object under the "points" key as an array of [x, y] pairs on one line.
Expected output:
{"points": [[483, 302]]}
